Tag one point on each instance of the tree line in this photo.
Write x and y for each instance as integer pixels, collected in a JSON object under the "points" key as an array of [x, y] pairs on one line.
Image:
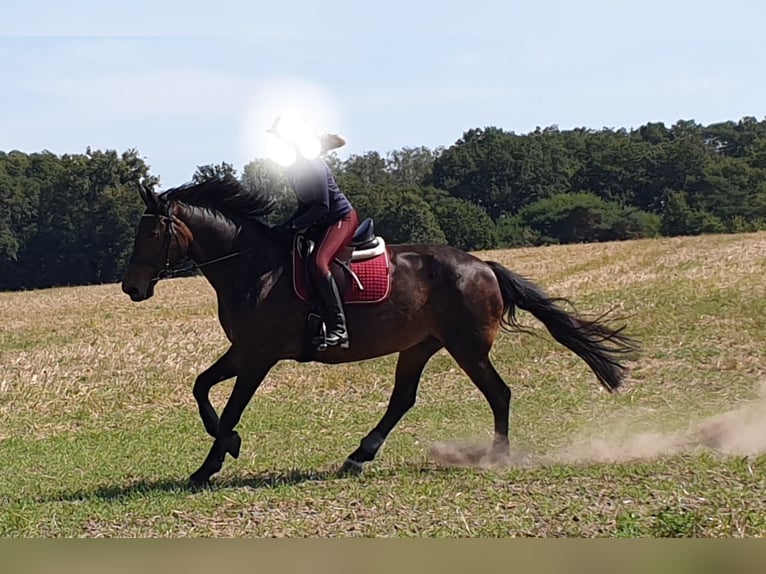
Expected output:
{"points": [[70, 219]]}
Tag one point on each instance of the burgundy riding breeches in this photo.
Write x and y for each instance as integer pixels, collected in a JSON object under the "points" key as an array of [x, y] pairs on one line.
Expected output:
{"points": [[335, 238]]}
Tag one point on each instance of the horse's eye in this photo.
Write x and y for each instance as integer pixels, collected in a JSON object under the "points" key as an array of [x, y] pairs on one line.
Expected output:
{"points": [[152, 232]]}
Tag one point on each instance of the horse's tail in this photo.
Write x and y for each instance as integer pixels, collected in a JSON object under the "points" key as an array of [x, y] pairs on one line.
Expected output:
{"points": [[597, 344]]}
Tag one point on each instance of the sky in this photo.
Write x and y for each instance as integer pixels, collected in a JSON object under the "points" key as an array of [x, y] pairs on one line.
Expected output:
{"points": [[189, 83]]}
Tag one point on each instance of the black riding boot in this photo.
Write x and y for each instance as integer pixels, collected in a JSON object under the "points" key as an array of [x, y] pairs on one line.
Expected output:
{"points": [[335, 318]]}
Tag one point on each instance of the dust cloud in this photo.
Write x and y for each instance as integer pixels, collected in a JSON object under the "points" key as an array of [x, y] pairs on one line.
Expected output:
{"points": [[740, 431]]}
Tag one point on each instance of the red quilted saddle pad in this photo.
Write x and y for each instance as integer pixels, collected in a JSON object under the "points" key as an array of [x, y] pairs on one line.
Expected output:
{"points": [[374, 273]]}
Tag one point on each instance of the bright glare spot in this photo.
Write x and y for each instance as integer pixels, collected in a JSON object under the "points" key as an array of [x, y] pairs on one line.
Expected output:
{"points": [[293, 128], [289, 97], [310, 147], [280, 151]]}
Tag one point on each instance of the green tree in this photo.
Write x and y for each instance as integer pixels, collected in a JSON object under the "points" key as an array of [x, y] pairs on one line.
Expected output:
{"points": [[405, 217], [503, 172], [652, 133], [368, 170], [584, 217], [210, 171], [728, 189], [483, 167], [513, 232], [412, 167], [84, 216], [465, 225], [678, 218]]}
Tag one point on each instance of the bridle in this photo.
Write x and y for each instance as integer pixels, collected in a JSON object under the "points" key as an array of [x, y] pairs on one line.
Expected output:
{"points": [[168, 269]]}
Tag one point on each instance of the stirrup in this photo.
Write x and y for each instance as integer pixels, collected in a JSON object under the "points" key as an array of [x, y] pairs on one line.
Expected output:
{"points": [[320, 341], [342, 342], [321, 344]]}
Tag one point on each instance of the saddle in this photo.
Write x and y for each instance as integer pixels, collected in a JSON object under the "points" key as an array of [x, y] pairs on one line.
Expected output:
{"points": [[365, 240], [362, 270]]}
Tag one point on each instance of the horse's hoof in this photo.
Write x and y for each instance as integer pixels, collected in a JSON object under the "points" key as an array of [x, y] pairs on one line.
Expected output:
{"points": [[500, 453], [199, 481], [351, 468], [233, 444]]}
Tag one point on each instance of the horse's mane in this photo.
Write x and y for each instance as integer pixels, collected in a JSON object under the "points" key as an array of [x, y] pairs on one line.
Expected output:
{"points": [[223, 194]]}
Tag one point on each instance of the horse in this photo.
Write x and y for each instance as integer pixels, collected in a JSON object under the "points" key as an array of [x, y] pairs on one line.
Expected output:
{"points": [[440, 298]]}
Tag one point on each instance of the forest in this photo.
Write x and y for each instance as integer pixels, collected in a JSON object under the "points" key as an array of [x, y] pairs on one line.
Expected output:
{"points": [[70, 219]]}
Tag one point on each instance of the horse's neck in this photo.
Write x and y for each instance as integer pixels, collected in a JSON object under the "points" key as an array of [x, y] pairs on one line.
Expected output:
{"points": [[215, 238]]}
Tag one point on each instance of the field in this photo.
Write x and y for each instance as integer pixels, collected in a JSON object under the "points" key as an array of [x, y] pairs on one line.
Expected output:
{"points": [[99, 431]]}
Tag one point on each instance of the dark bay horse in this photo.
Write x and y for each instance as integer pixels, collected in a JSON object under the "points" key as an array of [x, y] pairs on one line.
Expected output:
{"points": [[441, 298]]}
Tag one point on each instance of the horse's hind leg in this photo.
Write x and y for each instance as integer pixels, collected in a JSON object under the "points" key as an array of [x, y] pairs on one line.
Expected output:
{"points": [[409, 367], [483, 374], [224, 368]]}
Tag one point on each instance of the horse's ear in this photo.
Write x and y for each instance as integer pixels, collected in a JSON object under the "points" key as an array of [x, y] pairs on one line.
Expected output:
{"points": [[149, 196], [142, 192]]}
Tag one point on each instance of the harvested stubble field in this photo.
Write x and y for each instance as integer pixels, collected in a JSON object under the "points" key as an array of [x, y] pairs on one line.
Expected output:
{"points": [[99, 431]]}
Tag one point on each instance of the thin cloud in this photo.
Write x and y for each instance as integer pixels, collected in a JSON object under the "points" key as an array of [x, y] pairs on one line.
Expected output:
{"points": [[184, 93]]}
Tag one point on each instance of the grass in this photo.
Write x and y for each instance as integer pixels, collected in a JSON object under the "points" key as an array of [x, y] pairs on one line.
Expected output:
{"points": [[99, 431]]}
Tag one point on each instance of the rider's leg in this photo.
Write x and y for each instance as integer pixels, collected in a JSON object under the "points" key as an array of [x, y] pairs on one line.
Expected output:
{"points": [[336, 238]]}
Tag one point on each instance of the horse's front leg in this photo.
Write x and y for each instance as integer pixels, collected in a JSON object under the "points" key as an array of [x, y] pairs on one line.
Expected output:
{"points": [[224, 368], [249, 378]]}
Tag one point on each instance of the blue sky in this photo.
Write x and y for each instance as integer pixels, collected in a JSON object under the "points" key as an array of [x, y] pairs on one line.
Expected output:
{"points": [[190, 83]]}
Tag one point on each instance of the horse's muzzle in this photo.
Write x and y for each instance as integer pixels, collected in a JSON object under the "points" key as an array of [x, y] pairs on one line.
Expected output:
{"points": [[136, 294], [133, 293]]}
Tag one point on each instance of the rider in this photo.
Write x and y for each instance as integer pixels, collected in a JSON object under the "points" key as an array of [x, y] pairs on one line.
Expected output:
{"points": [[326, 210]]}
